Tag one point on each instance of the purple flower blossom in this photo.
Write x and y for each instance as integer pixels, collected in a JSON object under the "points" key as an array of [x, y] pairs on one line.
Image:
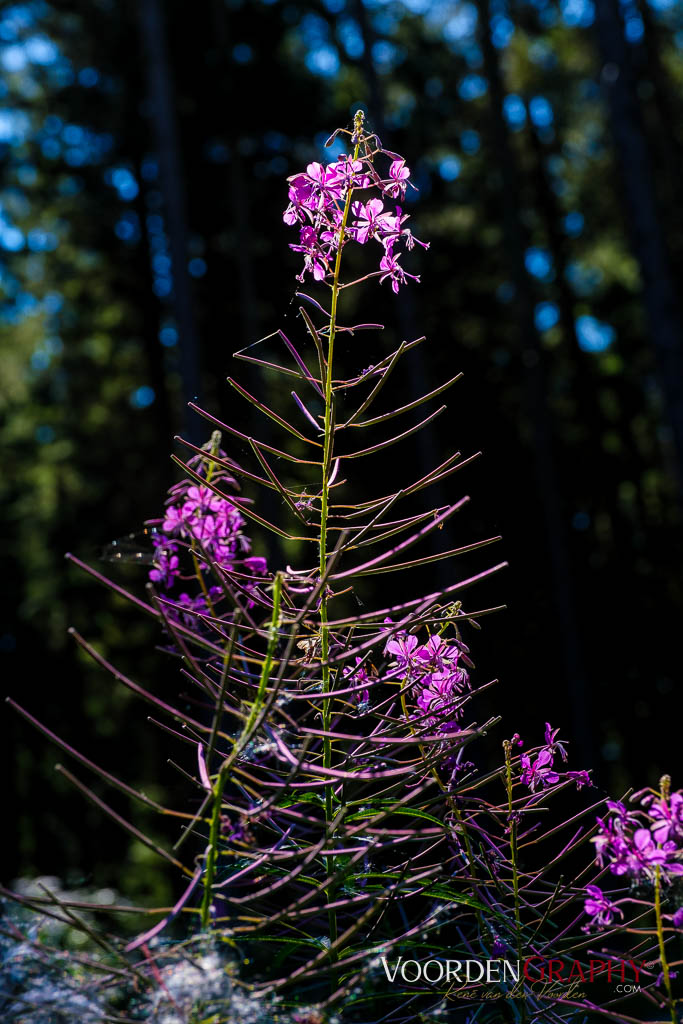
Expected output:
{"points": [[256, 565], [438, 691], [677, 918], [398, 175], [201, 517], [634, 854], [315, 260], [438, 701], [581, 778], [390, 230], [646, 849], [328, 182], [367, 219], [554, 745], [394, 271], [173, 520], [317, 199], [622, 816], [403, 646], [542, 771], [351, 173], [186, 608], [411, 239], [652, 854], [330, 235], [301, 192], [432, 672], [166, 564], [539, 772], [359, 676], [599, 907], [609, 841], [667, 817], [438, 654]]}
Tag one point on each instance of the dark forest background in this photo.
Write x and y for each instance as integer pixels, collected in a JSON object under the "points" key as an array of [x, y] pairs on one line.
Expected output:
{"points": [[144, 148]]}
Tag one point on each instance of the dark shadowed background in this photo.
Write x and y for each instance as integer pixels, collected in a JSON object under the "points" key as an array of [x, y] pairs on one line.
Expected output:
{"points": [[144, 148]]}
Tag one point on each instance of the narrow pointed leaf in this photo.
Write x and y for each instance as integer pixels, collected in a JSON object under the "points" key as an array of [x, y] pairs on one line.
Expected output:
{"points": [[411, 405], [394, 440], [245, 438], [270, 413], [378, 386], [301, 364]]}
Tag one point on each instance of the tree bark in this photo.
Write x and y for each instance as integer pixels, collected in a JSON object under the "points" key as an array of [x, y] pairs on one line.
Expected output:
{"points": [[532, 358], [165, 132], [647, 236]]}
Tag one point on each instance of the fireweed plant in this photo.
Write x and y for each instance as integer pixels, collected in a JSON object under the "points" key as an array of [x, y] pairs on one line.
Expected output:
{"points": [[339, 836]]}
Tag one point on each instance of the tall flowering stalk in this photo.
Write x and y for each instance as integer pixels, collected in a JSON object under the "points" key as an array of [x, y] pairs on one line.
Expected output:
{"points": [[323, 199], [342, 820]]}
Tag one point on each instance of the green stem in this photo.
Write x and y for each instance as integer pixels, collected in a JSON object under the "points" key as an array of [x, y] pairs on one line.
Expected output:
{"points": [[222, 777], [327, 461], [665, 790], [507, 748], [212, 849], [214, 448], [459, 816], [662, 950]]}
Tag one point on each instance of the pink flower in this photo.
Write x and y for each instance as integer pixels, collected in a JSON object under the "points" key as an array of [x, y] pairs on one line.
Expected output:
{"points": [[599, 907], [552, 743], [358, 675], [437, 652], [301, 197], [173, 520], [328, 184], [651, 854], [399, 174], [256, 565], [351, 172], [314, 259], [368, 216], [666, 816], [439, 695], [402, 646], [540, 773], [317, 200], [581, 778], [393, 270], [166, 564]]}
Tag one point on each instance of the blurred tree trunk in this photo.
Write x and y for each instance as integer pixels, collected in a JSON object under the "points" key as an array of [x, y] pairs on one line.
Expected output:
{"points": [[584, 390], [532, 359], [165, 132], [232, 282], [665, 128], [415, 373], [372, 82], [232, 130], [154, 353], [647, 236]]}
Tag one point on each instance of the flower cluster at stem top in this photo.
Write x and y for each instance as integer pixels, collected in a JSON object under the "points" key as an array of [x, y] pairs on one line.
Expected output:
{"points": [[317, 199], [436, 677], [210, 527], [640, 845], [541, 772]]}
